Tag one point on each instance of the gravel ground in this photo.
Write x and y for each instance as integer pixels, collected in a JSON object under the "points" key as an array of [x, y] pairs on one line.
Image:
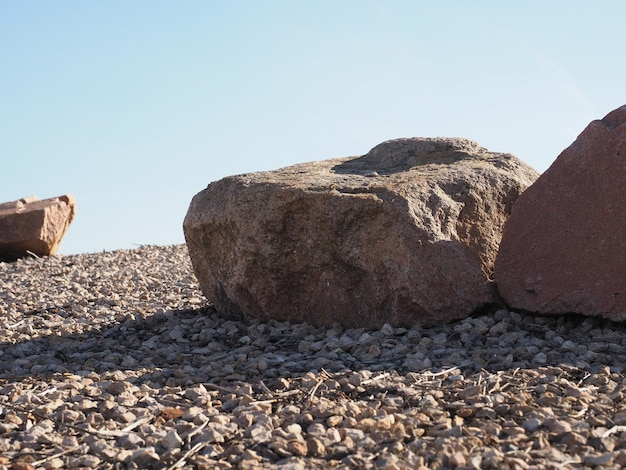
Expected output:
{"points": [[115, 360]]}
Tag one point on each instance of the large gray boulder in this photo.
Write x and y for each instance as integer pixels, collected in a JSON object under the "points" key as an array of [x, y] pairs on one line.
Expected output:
{"points": [[405, 234], [564, 247]]}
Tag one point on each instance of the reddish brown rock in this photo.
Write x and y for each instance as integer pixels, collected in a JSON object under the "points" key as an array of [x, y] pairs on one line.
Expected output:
{"points": [[564, 246], [33, 227], [407, 233]]}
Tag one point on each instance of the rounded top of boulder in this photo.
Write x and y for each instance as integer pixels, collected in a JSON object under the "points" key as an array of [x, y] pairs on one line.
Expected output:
{"points": [[398, 155], [615, 118]]}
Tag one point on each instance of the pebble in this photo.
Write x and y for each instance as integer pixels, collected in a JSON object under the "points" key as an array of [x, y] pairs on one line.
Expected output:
{"points": [[115, 360]]}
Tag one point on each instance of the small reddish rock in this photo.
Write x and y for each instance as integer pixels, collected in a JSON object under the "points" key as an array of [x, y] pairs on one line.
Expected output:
{"points": [[33, 227], [563, 248]]}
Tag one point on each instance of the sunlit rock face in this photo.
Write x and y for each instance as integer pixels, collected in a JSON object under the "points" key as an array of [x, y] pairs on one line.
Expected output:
{"points": [[405, 234], [33, 227], [564, 247]]}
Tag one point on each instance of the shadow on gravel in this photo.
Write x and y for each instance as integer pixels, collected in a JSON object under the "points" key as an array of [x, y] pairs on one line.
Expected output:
{"points": [[188, 346]]}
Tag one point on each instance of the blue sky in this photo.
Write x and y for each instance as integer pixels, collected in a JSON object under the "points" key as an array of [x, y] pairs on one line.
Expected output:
{"points": [[134, 106]]}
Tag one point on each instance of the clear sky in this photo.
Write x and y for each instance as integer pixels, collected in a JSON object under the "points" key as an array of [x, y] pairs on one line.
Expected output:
{"points": [[134, 106]]}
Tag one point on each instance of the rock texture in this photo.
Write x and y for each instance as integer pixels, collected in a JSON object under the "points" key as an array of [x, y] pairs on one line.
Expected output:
{"points": [[564, 247], [31, 226], [407, 233]]}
